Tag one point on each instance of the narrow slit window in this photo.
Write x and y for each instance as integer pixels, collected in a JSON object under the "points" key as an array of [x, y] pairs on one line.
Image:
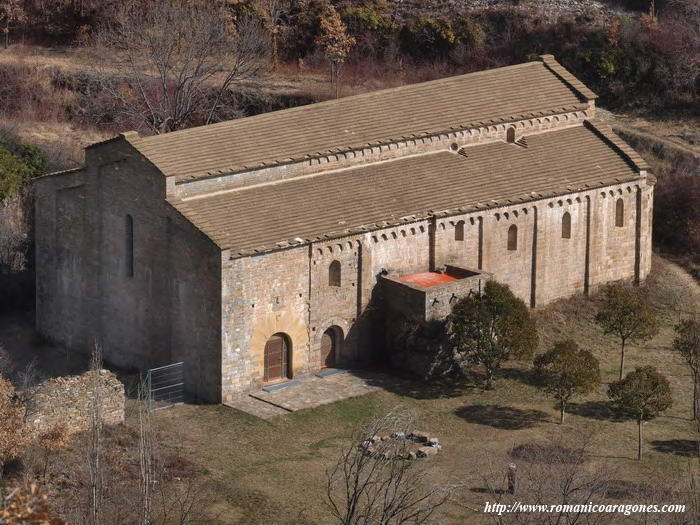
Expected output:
{"points": [[512, 238], [620, 213], [334, 274], [566, 226], [459, 231], [129, 246]]}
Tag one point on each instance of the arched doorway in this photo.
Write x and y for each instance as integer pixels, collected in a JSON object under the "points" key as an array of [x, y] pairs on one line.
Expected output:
{"points": [[330, 343], [277, 358]]}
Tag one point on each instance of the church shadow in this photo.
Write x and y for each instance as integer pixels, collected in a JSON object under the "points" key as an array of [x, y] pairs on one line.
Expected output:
{"points": [[687, 448], [502, 417], [600, 410]]}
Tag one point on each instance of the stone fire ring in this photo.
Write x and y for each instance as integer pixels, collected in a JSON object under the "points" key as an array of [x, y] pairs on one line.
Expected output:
{"points": [[422, 445]]}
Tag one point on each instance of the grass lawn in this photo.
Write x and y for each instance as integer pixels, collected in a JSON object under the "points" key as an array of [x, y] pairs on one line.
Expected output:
{"points": [[257, 471]]}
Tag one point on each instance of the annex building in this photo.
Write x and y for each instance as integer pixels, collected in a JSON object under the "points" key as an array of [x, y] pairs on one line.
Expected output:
{"points": [[254, 250]]}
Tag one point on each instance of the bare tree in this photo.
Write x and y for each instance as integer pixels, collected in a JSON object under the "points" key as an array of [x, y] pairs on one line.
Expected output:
{"points": [[681, 20], [373, 482], [169, 63], [164, 500], [146, 459], [274, 12], [94, 445], [558, 471], [11, 13], [13, 431]]}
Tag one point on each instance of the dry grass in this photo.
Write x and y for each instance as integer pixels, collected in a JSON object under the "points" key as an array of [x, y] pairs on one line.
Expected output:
{"points": [[260, 472]]}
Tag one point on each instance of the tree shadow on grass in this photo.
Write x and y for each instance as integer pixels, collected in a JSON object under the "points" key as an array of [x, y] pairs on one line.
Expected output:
{"points": [[484, 490], [527, 377], [601, 410], [502, 417], [688, 448], [415, 388], [620, 489]]}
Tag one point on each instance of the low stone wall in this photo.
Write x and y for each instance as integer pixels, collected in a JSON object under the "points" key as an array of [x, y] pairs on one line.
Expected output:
{"points": [[65, 401]]}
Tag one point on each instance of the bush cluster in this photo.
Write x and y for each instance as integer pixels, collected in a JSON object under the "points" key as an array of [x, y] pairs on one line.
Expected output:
{"points": [[19, 163], [629, 60]]}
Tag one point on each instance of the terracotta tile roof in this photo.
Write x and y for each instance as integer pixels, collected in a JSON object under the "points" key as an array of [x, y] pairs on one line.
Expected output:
{"points": [[505, 94], [333, 204]]}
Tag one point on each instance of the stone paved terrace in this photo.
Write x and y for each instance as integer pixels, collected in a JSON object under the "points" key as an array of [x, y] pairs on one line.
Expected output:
{"points": [[312, 391]]}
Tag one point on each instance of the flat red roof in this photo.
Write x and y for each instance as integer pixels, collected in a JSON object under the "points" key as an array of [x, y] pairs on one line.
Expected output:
{"points": [[428, 278]]}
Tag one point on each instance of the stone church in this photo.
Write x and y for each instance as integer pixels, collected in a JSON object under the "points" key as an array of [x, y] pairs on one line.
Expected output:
{"points": [[253, 249]]}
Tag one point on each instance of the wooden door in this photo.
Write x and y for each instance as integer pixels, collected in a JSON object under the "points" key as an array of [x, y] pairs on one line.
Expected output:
{"points": [[276, 358], [328, 349]]}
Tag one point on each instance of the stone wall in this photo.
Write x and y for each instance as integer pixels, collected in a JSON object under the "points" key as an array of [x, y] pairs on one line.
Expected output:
{"points": [[263, 296], [289, 291], [66, 402], [167, 311]]}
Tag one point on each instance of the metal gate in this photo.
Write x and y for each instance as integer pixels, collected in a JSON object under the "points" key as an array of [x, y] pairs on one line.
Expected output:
{"points": [[166, 385]]}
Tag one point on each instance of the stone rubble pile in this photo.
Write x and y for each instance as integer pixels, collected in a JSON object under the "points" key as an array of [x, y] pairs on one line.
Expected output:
{"points": [[420, 445], [66, 402]]}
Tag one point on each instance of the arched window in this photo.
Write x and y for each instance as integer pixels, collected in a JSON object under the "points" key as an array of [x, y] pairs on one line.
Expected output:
{"points": [[334, 274], [129, 246], [459, 231], [620, 213], [513, 237], [566, 226], [510, 135]]}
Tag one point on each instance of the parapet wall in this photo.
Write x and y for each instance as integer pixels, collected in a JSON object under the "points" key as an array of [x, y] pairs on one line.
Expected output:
{"points": [[415, 301]]}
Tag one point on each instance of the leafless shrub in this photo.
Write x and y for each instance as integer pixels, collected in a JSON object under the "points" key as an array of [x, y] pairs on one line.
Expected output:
{"points": [[274, 13], [680, 35], [158, 62], [146, 459], [378, 484], [557, 472], [7, 363], [27, 506], [14, 234], [95, 453], [13, 435]]}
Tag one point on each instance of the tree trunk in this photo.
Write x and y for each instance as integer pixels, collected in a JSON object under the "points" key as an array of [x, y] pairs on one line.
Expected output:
{"points": [[562, 406], [489, 380], [622, 359], [696, 412], [337, 80], [640, 422], [274, 49]]}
